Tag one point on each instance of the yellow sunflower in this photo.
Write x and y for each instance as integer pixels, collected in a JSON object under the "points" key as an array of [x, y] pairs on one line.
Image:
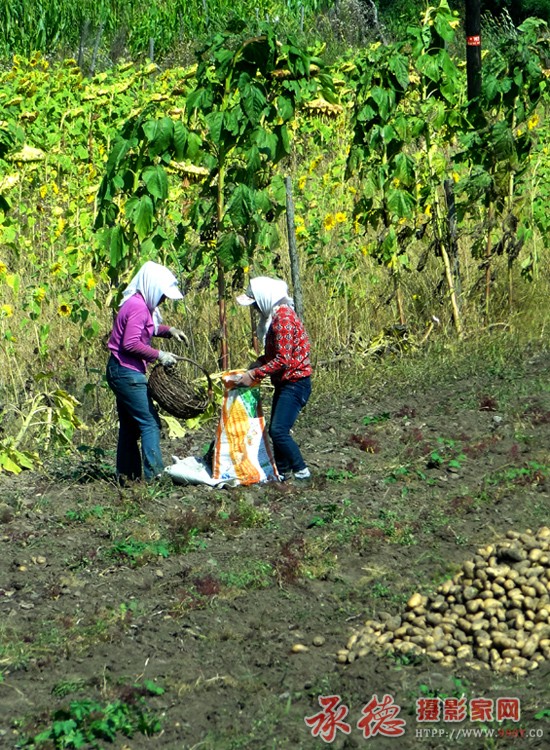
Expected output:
{"points": [[64, 309], [329, 222]]}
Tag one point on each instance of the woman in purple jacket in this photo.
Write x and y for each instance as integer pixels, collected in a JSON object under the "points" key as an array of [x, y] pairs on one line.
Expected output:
{"points": [[137, 321]]}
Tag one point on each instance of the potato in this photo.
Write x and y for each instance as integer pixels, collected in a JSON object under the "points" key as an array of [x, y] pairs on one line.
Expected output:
{"points": [[482, 653], [530, 646], [416, 600]]}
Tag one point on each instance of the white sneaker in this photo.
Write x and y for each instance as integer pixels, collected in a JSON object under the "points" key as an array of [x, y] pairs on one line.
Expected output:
{"points": [[302, 474]]}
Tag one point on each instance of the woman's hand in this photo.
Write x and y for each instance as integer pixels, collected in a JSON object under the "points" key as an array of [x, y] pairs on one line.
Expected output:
{"points": [[167, 359], [179, 335], [246, 380]]}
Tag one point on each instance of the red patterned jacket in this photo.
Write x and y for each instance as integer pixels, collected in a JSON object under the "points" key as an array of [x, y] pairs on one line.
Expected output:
{"points": [[286, 357]]}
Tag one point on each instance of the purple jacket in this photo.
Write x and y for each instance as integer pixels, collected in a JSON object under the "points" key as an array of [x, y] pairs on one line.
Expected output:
{"points": [[130, 340]]}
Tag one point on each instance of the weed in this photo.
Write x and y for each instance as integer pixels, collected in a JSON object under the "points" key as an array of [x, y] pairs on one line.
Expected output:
{"points": [[80, 516], [339, 475], [531, 473], [377, 418], [66, 687], [253, 574], [87, 722], [247, 516], [380, 590], [446, 454], [185, 530], [137, 552]]}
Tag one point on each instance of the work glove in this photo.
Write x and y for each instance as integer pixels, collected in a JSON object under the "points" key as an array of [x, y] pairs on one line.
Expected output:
{"points": [[167, 359], [179, 335]]}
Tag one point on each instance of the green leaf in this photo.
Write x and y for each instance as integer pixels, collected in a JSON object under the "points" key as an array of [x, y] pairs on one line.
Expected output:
{"points": [[241, 206], [159, 133], [404, 169], [399, 66], [229, 250], [382, 98], [285, 108], [253, 102], [140, 212], [180, 140], [156, 181], [443, 27], [194, 145], [283, 143], [214, 120], [7, 464], [116, 243], [429, 66], [400, 203]]}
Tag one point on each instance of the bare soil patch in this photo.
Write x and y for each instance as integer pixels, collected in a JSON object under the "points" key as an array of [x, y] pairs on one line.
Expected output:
{"points": [[204, 593]]}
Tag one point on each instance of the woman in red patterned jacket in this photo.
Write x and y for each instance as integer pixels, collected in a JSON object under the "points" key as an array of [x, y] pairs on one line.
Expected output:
{"points": [[286, 361]]}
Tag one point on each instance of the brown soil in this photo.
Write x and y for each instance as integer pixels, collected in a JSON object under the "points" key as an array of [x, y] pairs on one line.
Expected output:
{"points": [[248, 573]]}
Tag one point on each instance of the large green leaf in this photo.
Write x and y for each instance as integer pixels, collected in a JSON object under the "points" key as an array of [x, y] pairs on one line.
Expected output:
{"points": [[399, 66], [382, 98], [229, 250], [400, 203], [159, 134], [285, 107], [241, 206], [140, 212], [156, 181], [117, 245], [404, 169], [214, 120], [180, 140], [253, 102]]}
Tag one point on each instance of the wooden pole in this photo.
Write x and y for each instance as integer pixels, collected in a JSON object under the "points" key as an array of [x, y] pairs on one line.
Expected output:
{"points": [[293, 251], [473, 52]]}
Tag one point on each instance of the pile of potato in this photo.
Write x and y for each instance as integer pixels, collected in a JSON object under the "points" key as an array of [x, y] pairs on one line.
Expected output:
{"points": [[494, 613]]}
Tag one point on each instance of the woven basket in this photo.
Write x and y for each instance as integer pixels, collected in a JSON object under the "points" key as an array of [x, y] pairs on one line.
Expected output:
{"points": [[176, 396]]}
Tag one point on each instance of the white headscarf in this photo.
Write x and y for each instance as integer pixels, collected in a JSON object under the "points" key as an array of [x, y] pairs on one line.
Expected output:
{"points": [[268, 294], [153, 281]]}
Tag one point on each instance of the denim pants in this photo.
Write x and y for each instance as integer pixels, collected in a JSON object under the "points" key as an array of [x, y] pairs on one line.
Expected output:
{"points": [[138, 418], [288, 401]]}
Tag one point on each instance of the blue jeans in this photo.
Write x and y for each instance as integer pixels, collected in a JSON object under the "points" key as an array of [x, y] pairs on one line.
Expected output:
{"points": [[138, 418], [288, 401]]}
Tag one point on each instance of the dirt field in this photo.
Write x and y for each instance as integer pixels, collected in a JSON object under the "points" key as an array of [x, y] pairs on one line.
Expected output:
{"points": [[181, 605]]}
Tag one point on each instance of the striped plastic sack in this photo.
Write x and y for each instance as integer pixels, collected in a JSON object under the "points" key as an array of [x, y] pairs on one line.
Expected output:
{"points": [[242, 451]]}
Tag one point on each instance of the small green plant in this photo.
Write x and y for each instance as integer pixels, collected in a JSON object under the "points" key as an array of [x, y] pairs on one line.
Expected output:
{"points": [[83, 515], [446, 454], [85, 723], [377, 418], [254, 574], [401, 472], [66, 687], [136, 552], [380, 590], [339, 475]]}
